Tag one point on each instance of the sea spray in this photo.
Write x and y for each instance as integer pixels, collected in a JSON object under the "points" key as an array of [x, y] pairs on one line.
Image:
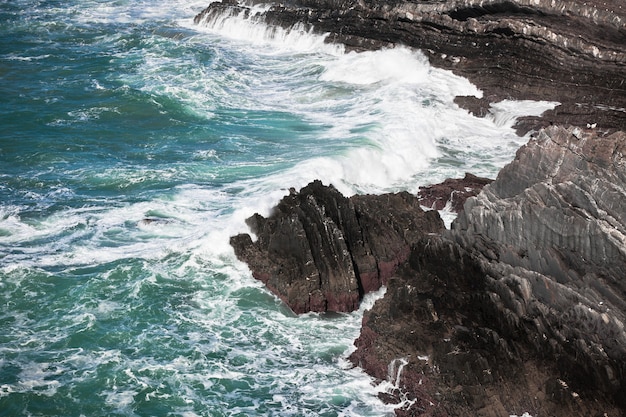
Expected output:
{"points": [[395, 107]]}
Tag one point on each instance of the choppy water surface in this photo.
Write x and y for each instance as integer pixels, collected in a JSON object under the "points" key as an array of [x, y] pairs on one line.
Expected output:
{"points": [[119, 111]]}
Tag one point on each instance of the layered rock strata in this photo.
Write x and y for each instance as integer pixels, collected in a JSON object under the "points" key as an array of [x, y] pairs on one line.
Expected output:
{"points": [[320, 251], [521, 306], [569, 51]]}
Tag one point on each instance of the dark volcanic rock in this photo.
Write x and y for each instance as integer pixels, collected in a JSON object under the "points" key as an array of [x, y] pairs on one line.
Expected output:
{"points": [[572, 52], [453, 191], [320, 251], [521, 306]]}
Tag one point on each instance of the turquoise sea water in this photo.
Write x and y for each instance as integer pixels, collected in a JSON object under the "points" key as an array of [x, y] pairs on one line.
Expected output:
{"points": [[114, 112]]}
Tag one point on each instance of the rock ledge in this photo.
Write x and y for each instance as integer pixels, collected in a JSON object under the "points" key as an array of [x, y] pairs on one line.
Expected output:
{"points": [[521, 306]]}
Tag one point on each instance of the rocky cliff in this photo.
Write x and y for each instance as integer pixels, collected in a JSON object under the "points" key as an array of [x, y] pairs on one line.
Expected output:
{"points": [[521, 306], [569, 51]]}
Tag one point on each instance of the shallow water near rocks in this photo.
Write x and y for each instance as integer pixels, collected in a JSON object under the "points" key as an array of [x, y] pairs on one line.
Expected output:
{"points": [[118, 112]]}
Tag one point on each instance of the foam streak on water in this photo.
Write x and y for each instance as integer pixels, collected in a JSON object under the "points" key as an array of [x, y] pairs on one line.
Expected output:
{"points": [[134, 144]]}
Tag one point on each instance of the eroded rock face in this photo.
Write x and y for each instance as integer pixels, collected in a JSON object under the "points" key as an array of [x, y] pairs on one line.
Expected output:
{"points": [[560, 206], [520, 307], [320, 251], [452, 192], [569, 51]]}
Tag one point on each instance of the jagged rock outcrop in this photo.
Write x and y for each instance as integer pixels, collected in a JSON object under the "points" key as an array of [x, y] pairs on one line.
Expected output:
{"points": [[569, 51], [521, 306], [452, 192], [560, 206], [320, 251]]}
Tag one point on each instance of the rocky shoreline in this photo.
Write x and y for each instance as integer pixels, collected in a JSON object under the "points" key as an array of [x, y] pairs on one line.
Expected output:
{"points": [[568, 51], [521, 305]]}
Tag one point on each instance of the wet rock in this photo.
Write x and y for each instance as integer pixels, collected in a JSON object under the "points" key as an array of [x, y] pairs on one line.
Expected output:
{"points": [[452, 192], [560, 208]]}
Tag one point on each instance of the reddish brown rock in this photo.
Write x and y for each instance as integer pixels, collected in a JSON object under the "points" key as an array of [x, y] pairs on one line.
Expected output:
{"points": [[452, 192]]}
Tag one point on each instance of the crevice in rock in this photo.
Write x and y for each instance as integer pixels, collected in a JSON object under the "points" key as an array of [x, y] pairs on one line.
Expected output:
{"points": [[506, 7]]}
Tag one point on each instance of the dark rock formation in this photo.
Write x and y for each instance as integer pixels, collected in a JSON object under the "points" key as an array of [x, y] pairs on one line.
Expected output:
{"points": [[452, 192], [521, 306], [320, 251], [570, 51]]}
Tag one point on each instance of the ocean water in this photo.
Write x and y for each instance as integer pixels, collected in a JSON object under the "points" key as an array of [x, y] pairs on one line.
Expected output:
{"points": [[133, 143]]}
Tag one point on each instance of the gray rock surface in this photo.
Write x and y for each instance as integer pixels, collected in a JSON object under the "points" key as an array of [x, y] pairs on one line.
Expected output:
{"points": [[561, 202]]}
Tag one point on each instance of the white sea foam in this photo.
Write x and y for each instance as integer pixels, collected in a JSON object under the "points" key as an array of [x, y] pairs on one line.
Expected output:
{"points": [[381, 121], [506, 112], [406, 106], [397, 65], [14, 57], [245, 27]]}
